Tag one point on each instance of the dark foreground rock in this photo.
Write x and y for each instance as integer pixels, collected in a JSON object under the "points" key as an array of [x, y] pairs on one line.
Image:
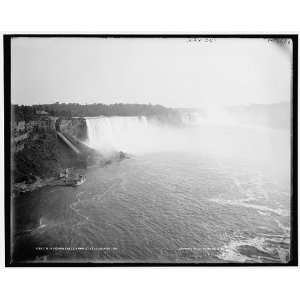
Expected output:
{"points": [[45, 157]]}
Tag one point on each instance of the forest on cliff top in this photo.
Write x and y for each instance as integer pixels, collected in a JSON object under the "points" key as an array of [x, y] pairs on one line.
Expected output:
{"points": [[69, 110]]}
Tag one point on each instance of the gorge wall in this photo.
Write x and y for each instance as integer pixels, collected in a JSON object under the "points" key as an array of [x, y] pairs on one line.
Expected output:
{"points": [[76, 127], [38, 152]]}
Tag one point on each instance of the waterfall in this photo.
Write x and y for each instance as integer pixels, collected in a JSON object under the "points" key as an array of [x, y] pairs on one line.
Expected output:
{"points": [[135, 135], [129, 134], [138, 135], [141, 135]]}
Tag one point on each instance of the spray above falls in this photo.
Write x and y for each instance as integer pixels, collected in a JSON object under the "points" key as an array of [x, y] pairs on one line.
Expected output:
{"points": [[138, 134], [134, 135], [141, 135], [129, 134]]}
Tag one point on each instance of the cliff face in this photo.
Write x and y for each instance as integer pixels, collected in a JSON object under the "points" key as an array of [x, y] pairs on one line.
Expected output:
{"points": [[25, 131], [38, 152], [43, 149], [43, 156], [75, 127]]}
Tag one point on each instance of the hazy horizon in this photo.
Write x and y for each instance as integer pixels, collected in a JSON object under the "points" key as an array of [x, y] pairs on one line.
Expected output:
{"points": [[179, 107], [176, 73]]}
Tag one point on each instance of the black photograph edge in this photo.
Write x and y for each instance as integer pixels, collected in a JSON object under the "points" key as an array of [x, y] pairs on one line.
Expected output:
{"points": [[7, 148]]}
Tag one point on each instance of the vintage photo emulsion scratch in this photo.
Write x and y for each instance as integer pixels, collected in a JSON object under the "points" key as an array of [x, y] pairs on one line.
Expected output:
{"points": [[150, 150]]}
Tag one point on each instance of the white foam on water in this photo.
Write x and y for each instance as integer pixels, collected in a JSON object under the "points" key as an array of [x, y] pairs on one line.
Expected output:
{"points": [[230, 251], [282, 227], [73, 206], [245, 203]]}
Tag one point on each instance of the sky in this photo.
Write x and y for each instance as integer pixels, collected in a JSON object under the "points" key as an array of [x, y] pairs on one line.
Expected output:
{"points": [[171, 72]]}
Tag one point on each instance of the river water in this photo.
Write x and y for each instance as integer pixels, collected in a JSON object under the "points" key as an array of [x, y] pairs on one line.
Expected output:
{"points": [[168, 206]]}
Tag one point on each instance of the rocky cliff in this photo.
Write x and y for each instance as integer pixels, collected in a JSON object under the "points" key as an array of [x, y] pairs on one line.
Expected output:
{"points": [[38, 153], [42, 156], [75, 127], [43, 149]]}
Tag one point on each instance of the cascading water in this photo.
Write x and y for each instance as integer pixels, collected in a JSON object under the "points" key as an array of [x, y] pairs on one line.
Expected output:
{"points": [[129, 134], [140, 135]]}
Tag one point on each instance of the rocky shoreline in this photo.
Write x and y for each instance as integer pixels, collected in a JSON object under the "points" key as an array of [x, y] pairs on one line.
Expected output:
{"points": [[38, 182], [23, 187], [46, 150]]}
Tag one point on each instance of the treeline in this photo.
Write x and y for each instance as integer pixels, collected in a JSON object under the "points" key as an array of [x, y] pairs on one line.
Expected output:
{"points": [[69, 110]]}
